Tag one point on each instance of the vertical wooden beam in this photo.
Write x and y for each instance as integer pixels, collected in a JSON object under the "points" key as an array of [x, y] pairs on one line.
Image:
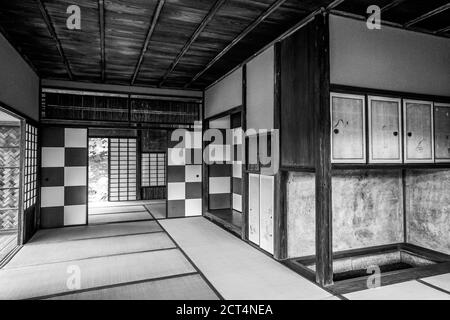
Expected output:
{"points": [[52, 31], [101, 13], [324, 248], [280, 215], [150, 32], [245, 224]]}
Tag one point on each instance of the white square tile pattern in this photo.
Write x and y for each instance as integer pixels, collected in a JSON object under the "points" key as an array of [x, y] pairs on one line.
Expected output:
{"points": [[75, 138], [75, 176], [176, 157], [53, 157], [74, 215], [193, 207], [218, 185], [176, 191], [194, 173], [52, 197]]}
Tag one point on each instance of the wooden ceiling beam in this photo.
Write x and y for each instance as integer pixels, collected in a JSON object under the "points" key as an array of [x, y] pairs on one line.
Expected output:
{"points": [[52, 31], [101, 14], [391, 5], [443, 30], [242, 35], [150, 32], [428, 15], [194, 37]]}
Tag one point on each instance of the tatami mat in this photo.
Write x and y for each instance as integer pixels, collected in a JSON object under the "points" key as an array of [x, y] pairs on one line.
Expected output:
{"points": [[82, 249], [119, 217], [44, 280], [442, 281], [191, 287], [158, 210], [94, 231], [122, 209], [237, 270], [411, 290]]}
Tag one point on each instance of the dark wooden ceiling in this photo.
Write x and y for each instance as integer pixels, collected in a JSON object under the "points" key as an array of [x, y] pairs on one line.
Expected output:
{"points": [[175, 43]]}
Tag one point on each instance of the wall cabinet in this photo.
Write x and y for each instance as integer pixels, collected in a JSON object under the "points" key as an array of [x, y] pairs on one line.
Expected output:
{"points": [[385, 130], [442, 132], [418, 131], [348, 131]]}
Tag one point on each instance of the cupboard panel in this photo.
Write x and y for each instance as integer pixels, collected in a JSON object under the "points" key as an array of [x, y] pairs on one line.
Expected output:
{"points": [[384, 130], [419, 138], [253, 208], [348, 132], [266, 204], [442, 132]]}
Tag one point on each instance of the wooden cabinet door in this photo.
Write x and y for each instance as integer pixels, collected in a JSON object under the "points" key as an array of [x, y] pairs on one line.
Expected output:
{"points": [[253, 208], [348, 131], [384, 130], [266, 206], [419, 137], [442, 132]]}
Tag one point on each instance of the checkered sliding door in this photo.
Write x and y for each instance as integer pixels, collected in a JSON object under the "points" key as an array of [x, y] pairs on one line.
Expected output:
{"points": [[184, 176], [237, 169], [220, 171], [123, 169], [64, 177]]}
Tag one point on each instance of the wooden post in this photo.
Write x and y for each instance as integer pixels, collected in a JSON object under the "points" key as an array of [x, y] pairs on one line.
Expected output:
{"points": [[245, 223], [324, 248]]}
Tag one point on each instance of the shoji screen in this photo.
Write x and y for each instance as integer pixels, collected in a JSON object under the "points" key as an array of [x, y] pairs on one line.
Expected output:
{"points": [[30, 192], [153, 169], [122, 169]]}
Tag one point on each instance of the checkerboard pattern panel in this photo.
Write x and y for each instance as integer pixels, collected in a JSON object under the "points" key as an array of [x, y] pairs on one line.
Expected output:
{"points": [[64, 177], [220, 173], [184, 176], [237, 168]]}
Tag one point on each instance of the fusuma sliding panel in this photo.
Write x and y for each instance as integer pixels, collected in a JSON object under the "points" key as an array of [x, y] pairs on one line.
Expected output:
{"points": [[442, 132], [385, 130], [123, 169], [419, 136], [266, 210], [348, 137], [64, 177], [184, 176], [237, 169], [253, 208]]}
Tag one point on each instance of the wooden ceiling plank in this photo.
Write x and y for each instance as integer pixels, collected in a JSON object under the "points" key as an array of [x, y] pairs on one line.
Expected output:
{"points": [[242, 35], [101, 13], [391, 5], [443, 30], [150, 32], [52, 31], [427, 15], [194, 37]]}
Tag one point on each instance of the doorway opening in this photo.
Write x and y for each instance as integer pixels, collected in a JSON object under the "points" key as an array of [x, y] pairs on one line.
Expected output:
{"points": [[127, 175], [10, 183]]}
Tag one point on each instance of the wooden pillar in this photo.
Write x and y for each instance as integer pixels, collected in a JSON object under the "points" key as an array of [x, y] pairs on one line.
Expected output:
{"points": [[324, 248], [280, 215], [245, 220]]}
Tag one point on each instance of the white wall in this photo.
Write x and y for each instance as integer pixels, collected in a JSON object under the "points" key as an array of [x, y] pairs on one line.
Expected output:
{"points": [[225, 95], [19, 84], [260, 90], [388, 59]]}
